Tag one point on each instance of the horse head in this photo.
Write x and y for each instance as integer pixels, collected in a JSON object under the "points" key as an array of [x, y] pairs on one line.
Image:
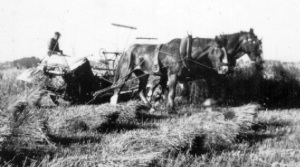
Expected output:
{"points": [[252, 46], [222, 56], [239, 44], [207, 54], [219, 60]]}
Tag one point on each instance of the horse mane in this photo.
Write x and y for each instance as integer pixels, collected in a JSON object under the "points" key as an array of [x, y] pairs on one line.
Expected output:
{"points": [[231, 40]]}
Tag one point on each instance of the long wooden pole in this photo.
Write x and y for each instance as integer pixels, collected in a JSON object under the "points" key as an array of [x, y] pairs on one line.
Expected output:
{"points": [[146, 38], [124, 26]]}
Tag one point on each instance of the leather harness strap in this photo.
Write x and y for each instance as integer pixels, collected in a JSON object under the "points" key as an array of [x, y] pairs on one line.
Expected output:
{"points": [[189, 51], [184, 58], [186, 51], [155, 67]]}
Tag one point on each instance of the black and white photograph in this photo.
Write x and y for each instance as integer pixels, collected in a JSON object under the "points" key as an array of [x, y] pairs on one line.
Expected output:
{"points": [[148, 83]]}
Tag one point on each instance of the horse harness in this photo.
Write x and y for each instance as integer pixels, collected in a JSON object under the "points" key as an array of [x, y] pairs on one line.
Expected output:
{"points": [[185, 59], [155, 67]]}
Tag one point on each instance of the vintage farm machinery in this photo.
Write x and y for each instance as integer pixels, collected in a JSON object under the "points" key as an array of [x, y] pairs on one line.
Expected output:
{"points": [[74, 79]]}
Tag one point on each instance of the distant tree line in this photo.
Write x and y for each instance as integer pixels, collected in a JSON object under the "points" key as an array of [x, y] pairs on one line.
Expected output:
{"points": [[26, 62]]}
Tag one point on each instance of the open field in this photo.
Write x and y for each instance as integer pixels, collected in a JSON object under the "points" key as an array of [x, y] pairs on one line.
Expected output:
{"points": [[258, 125]]}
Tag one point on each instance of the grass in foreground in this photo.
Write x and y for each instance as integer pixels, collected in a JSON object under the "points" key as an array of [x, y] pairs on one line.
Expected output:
{"points": [[128, 136], [198, 139]]}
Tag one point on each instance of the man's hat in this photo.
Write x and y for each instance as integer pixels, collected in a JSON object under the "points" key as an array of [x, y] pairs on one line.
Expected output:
{"points": [[57, 33]]}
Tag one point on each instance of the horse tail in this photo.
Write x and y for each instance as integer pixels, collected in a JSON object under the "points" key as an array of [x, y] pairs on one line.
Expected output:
{"points": [[125, 59], [117, 71]]}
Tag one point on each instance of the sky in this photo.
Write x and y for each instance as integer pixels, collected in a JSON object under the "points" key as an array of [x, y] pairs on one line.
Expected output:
{"points": [[26, 26]]}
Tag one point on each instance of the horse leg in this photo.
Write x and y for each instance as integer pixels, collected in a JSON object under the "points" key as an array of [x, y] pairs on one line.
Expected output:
{"points": [[159, 94], [218, 88], [114, 99], [121, 82], [211, 93], [172, 81], [216, 93], [150, 94], [222, 82], [183, 93], [164, 90], [143, 79], [151, 91]]}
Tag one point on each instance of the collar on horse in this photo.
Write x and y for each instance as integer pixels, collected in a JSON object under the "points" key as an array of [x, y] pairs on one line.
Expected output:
{"points": [[186, 51]]}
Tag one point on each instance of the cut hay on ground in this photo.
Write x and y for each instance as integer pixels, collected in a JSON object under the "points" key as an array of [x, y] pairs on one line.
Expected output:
{"points": [[201, 132], [244, 116], [102, 118], [21, 123]]}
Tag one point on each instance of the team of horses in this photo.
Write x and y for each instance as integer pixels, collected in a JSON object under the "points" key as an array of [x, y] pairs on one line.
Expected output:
{"points": [[186, 59]]}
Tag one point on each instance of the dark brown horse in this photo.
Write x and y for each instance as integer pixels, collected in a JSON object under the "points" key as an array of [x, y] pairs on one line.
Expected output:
{"points": [[236, 46], [239, 44], [178, 60]]}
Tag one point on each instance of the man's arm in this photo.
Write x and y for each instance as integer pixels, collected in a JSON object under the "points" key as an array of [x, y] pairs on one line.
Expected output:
{"points": [[50, 48]]}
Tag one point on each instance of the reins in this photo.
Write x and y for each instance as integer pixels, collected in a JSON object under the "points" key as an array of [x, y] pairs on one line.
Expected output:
{"points": [[97, 93]]}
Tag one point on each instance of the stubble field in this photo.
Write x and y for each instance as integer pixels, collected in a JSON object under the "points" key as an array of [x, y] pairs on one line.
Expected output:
{"points": [[258, 125]]}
